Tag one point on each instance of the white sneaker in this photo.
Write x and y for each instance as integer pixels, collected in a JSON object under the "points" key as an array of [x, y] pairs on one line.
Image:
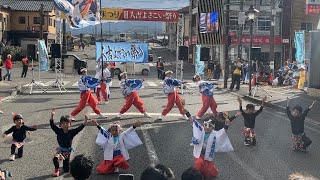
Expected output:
{"points": [[1, 112], [100, 102], [71, 118], [197, 117], [11, 158], [102, 116], [119, 116], [146, 114], [116, 170], [185, 117], [106, 102], [160, 118]]}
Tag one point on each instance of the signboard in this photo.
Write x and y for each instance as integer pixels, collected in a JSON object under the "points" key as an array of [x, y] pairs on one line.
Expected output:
{"points": [[300, 47], [313, 7], [122, 52], [285, 41], [139, 15], [209, 22], [199, 67], [257, 40]]}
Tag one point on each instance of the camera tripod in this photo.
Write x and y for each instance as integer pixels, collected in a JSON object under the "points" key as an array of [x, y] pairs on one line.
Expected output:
{"points": [[33, 82], [256, 88]]}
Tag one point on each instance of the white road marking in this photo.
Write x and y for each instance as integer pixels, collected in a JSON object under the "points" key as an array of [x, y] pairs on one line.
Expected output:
{"points": [[63, 91], [151, 64], [48, 83], [136, 114], [153, 157], [151, 83], [37, 82], [64, 83], [75, 84]]}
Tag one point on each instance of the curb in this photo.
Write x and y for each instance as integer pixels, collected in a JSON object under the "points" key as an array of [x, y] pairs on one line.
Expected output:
{"points": [[258, 101]]}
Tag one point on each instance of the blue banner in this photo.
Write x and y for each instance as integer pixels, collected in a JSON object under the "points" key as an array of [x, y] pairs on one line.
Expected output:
{"points": [[122, 52], [300, 47], [199, 64], [43, 56]]}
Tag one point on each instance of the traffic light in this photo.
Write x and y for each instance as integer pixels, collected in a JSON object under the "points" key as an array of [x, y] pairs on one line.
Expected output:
{"points": [[33, 29]]}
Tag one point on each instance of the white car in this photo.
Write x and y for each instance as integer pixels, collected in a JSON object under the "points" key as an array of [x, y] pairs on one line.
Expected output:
{"points": [[132, 68]]}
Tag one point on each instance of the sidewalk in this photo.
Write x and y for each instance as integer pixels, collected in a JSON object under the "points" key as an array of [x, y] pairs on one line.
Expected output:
{"points": [[278, 101]]}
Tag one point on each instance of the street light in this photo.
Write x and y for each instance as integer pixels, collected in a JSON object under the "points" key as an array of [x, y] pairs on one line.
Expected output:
{"points": [[252, 13]]}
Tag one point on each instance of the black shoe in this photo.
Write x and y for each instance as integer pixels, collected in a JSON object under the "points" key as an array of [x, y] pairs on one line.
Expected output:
{"points": [[247, 142], [254, 141]]}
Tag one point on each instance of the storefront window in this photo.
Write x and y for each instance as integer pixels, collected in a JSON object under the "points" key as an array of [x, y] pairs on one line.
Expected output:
{"points": [[264, 23]]}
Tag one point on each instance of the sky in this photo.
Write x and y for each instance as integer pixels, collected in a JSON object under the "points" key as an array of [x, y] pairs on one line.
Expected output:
{"points": [[146, 4]]}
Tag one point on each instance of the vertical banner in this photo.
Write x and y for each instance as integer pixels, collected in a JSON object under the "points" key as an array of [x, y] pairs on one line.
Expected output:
{"points": [[43, 56], [300, 47], [199, 64]]}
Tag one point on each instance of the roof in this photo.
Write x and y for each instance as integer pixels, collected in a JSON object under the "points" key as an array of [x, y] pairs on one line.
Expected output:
{"points": [[28, 5], [184, 10]]}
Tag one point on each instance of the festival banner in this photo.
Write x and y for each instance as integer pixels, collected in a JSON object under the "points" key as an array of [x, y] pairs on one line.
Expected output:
{"points": [[313, 7], [43, 56], [122, 52], [139, 15], [80, 13], [199, 64], [300, 47]]}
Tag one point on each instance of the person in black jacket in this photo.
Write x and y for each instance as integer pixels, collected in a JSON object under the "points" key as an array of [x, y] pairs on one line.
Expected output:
{"points": [[64, 138], [249, 116], [18, 135], [222, 120], [160, 67], [297, 118]]}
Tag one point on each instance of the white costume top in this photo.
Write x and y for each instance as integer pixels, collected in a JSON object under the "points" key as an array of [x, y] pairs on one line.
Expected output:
{"points": [[169, 85], [127, 140]]}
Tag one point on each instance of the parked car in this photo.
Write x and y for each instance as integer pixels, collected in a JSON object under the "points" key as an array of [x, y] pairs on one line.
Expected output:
{"points": [[77, 61], [143, 68]]}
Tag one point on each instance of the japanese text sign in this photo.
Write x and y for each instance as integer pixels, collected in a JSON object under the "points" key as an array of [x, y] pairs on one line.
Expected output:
{"points": [[257, 40], [122, 52], [139, 15]]}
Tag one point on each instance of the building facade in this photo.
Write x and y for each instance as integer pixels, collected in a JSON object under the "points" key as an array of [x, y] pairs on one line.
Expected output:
{"points": [[21, 22]]}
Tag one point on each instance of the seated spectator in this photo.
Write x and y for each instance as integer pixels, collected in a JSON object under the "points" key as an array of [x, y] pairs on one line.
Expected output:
{"points": [[157, 172], [191, 174], [81, 167]]}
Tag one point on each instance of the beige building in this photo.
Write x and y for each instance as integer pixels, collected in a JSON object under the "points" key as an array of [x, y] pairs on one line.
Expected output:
{"points": [[21, 22]]}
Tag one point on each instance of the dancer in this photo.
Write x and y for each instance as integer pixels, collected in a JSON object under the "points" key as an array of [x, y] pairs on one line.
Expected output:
{"points": [[297, 118], [18, 135], [169, 89], [222, 120], [115, 143], [85, 83], [64, 138], [208, 143], [206, 89], [249, 116], [104, 84], [129, 89]]}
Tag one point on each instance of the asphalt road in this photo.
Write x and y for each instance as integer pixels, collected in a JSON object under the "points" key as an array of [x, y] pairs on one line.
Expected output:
{"points": [[166, 142]]}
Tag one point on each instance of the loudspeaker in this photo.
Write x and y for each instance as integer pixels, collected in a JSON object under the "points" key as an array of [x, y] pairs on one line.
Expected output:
{"points": [[126, 177], [183, 53], [256, 53], [31, 51], [204, 54], [56, 50], [314, 63]]}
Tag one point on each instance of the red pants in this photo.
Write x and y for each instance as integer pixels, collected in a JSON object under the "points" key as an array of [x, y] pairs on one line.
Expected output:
{"points": [[86, 98], [107, 167], [207, 101], [173, 98], [103, 89], [206, 168], [134, 99]]}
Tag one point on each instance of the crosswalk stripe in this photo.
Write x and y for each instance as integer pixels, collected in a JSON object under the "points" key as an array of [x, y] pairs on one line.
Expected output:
{"points": [[151, 83], [136, 114], [55, 92], [37, 82], [48, 83], [75, 84], [64, 83]]}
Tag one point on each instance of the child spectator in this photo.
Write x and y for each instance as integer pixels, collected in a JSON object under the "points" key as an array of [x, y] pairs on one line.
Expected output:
{"points": [[297, 118], [64, 138], [18, 135], [157, 172], [81, 167], [191, 174]]}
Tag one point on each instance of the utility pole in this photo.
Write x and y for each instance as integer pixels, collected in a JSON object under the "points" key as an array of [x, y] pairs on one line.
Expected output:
{"points": [[41, 21], [272, 34], [241, 15], [226, 50]]}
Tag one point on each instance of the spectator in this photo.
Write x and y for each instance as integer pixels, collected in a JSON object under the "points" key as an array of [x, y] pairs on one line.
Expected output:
{"points": [[4, 174], [217, 71], [112, 67], [1, 65], [8, 66], [81, 167], [191, 174], [160, 67], [157, 172], [25, 65], [236, 75]]}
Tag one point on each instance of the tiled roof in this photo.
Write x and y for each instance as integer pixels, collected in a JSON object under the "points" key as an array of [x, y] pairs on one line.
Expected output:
{"points": [[28, 5]]}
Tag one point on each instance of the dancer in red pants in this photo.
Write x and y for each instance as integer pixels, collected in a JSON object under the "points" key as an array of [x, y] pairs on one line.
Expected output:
{"points": [[169, 89], [129, 89], [86, 97], [104, 75], [206, 89]]}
